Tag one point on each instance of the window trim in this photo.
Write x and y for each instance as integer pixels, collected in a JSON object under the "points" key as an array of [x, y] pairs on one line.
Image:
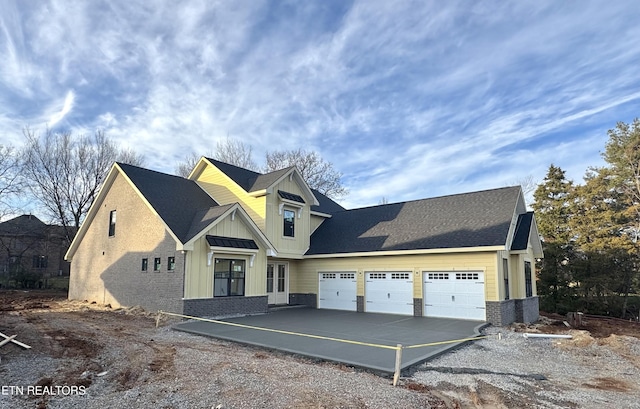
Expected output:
{"points": [[505, 273], [229, 279], [292, 226], [528, 279]]}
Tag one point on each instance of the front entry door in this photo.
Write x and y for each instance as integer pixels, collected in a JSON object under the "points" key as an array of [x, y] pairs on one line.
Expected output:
{"points": [[278, 283]]}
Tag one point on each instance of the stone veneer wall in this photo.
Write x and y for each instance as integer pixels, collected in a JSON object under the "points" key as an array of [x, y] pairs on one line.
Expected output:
{"points": [[360, 303], [225, 306]]}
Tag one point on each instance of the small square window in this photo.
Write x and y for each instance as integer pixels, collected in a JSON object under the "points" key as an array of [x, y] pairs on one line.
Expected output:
{"points": [[156, 264], [171, 263], [145, 264]]}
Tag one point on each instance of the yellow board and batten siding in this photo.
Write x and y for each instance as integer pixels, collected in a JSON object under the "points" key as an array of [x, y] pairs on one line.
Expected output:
{"points": [[307, 280], [199, 279], [287, 247], [225, 191]]}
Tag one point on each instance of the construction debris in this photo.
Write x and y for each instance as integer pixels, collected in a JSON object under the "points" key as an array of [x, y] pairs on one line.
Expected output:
{"points": [[8, 339], [530, 335]]}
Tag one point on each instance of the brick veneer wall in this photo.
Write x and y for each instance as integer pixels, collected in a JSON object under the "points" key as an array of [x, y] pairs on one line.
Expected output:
{"points": [[225, 306], [501, 313], [527, 310], [417, 307], [308, 299], [107, 269]]}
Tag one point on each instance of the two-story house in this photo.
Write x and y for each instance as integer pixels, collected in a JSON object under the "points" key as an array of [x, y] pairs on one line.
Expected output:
{"points": [[228, 241], [31, 251]]}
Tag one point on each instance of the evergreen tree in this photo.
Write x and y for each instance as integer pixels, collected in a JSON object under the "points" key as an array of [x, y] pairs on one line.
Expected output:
{"points": [[553, 211]]}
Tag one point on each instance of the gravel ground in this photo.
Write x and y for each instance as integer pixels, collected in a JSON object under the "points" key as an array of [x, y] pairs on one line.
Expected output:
{"points": [[517, 372], [120, 360]]}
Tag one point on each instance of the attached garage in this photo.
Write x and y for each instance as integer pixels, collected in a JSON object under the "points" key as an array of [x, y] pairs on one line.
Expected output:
{"points": [[451, 294], [389, 292], [337, 291]]}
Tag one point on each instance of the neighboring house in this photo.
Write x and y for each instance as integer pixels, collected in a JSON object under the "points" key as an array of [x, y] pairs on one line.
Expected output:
{"points": [[228, 241], [31, 251]]}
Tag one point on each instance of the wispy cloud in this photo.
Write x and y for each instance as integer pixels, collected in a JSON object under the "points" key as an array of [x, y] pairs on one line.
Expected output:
{"points": [[407, 99]]}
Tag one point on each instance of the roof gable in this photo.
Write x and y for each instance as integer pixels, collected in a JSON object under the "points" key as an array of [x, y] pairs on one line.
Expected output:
{"points": [[475, 219], [24, 225], [255, 183]]}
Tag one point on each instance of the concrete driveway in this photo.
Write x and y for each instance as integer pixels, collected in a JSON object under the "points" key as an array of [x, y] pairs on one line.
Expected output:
{"points": [[366, 328]]}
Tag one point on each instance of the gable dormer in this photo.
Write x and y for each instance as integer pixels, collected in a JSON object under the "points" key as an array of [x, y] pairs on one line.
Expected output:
{"points": [[279, 202]]}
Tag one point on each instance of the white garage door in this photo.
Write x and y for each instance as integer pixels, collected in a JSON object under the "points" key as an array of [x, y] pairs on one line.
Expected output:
{"points": [[454, 295], [337, 291], [389, 292]]}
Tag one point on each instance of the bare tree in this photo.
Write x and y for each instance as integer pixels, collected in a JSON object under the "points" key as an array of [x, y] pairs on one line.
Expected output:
{"points": [[184, 167], [130, 157], [318, 173], [528, 185], [10, 182], [64, 173], [235, 152]]}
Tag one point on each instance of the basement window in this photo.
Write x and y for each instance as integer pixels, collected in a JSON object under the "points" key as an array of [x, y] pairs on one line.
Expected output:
{"points": [[112, 223], [171, 263], [156, 264]]}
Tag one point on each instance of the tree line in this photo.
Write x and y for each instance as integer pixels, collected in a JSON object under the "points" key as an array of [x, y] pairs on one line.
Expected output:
{"points": [[590, 232], [62, 173]]}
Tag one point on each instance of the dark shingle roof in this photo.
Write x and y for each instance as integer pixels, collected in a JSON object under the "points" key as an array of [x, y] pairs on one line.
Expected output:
{"points": [[247, 179], [231, 242], [465, 220], [25, 225], [180, 202], [523, 228], [252, 181], [326, 205]]}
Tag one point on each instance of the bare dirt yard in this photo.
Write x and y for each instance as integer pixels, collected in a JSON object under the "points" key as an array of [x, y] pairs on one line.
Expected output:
{"points": [[91, 356]]}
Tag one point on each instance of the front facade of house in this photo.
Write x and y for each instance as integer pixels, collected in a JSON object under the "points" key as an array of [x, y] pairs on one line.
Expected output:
{"points": [[229, 241]]}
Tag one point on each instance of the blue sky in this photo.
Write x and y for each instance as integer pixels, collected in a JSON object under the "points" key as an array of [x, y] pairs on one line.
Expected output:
{"points": [[408, 99]]}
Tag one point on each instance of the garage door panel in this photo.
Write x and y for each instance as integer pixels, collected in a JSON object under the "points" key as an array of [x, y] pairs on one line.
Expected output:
{"points": [[337, 291], [454, 295], [389, 292]]}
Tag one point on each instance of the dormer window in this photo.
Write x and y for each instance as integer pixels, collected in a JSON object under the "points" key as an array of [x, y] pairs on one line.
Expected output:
{"points": [[289, 223]]}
